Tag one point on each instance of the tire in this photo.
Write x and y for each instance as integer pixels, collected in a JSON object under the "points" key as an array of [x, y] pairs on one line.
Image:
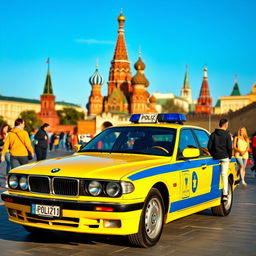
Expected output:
{"points": [[151, 221], [36, 231], [225, 207]]}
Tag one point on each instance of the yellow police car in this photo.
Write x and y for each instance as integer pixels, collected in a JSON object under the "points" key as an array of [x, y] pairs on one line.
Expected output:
{"points": [[128, 180]]}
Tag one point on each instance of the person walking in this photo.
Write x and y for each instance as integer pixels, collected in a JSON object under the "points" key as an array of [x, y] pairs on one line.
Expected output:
{"points": [[68, 141], [19, 145], [220, 148], [254, 152], [241, 147], [41, 142], [3, 134]]}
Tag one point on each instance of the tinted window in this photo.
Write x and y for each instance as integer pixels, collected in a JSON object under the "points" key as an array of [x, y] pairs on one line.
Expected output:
{"points": [[135, 140], [203, 137], [187, 140]]}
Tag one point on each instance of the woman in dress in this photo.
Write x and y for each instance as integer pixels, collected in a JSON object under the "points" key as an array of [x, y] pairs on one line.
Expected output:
{"points": [[241, 146]]}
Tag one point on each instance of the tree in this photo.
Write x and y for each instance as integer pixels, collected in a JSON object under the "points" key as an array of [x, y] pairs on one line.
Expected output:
{"points": [[31, 120], [70, 116], [170, 107]]}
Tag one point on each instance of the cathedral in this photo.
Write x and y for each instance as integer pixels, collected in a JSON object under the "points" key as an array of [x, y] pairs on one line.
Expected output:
{"points": [[126, 94]]}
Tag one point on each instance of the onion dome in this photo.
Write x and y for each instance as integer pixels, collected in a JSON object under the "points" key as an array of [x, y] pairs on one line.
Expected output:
{"points": [[139, 78], [139, 65], [121, 17], [152, 99], [96, 78]]}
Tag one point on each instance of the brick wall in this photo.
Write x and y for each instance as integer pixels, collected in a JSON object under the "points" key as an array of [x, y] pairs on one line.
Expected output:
{"points": [[244, 117]]}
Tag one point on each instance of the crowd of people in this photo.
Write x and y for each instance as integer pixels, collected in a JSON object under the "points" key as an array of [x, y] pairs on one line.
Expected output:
{"points": [[17, 147], [222, 145]]}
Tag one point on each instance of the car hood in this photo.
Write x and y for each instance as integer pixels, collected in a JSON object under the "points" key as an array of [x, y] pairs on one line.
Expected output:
{"points": [[94, 165]]}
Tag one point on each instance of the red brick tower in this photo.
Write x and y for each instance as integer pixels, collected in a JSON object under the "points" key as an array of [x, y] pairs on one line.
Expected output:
{"points": [[48, 113], [140, 95], [120, 72], [204, 102], [96, 99]]}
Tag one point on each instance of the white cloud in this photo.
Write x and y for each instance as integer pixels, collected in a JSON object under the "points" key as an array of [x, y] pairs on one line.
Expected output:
{"points": [[93, 41]]}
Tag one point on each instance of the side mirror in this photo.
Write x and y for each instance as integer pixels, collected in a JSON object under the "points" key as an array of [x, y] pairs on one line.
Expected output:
{"points": [[191, 153], [77, 147]]}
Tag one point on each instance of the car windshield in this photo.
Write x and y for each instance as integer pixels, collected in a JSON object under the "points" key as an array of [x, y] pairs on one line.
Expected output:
{"points": [[134, 140]]}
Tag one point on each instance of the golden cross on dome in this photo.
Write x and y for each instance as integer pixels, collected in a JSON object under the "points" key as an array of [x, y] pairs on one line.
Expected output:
{"points": [[97, 63]]}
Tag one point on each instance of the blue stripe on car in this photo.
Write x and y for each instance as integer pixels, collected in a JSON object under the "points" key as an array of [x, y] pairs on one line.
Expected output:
{"points": [[189, 164]]}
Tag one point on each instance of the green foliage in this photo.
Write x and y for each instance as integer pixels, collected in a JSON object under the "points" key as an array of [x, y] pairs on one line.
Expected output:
{"points": [[31, 120], [70, 116], [2, 121], [170, 107]]}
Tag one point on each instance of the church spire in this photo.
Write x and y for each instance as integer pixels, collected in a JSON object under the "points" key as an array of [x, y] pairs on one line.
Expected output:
{"points": [[186, 82], [120, 72], [204, 102], [235, 91], [48, 84], [186, 90]]}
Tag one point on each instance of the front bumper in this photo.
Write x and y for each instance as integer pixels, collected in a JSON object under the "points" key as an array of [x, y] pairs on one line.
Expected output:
{"points": [[77, 216]]}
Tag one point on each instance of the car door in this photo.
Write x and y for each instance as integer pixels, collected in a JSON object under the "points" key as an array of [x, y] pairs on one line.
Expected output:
{"points": [[211, 167], [186, 140]]}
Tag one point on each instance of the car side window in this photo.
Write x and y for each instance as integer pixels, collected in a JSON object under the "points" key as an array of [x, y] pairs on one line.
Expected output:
{"points": [[187, 140], [203, 138]]}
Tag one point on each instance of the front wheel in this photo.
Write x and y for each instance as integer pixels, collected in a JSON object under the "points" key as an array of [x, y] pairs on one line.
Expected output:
{"points": [[225, 207], [151, 221]]}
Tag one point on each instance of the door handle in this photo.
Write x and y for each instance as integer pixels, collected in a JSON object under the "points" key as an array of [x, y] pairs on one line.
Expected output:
{"points": [[203, 166]]}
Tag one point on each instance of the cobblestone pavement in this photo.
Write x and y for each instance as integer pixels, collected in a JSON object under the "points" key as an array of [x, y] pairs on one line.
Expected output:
{"points": [[197, 234]]}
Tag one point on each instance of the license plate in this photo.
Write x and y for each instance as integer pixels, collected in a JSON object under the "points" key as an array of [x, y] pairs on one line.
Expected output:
{"points": [[45, 210]]}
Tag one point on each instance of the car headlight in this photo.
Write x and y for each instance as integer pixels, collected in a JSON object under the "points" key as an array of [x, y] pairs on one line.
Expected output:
{"points": [[13, 181], [95, 188], [113, 189], [127, 187], [23, 183]]}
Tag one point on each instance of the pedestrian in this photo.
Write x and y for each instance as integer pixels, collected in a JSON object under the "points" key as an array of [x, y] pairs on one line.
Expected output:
{"points": [[56, 142], [254, 152], [61, 140], [241, 147], [19, 145], [41, 142], [220, 148], [3, 134], [68, 141], [52, 138]]}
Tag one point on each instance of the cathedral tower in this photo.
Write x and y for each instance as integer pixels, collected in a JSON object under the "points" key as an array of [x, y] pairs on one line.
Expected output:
{"points": [[186, 89], [96, 99], [204, 102], [140, 94], [120, 72], [48, 113]]}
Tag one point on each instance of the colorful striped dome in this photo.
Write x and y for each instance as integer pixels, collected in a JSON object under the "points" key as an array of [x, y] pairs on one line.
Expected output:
{"points": [[96, 78]]}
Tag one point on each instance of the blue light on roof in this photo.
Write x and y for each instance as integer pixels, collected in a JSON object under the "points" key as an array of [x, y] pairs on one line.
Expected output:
{"points": [[135, 118], [152, 118], [172, 117]]}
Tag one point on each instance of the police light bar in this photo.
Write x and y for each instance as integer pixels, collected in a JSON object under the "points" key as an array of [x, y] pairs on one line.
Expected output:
{"points": [[154, 118]]}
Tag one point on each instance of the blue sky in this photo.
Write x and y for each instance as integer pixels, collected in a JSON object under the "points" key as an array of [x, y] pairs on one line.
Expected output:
{"points": [[171, 34]]}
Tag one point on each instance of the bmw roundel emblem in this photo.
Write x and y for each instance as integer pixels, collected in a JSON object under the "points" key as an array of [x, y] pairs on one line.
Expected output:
{"points": [[55, 170]]}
